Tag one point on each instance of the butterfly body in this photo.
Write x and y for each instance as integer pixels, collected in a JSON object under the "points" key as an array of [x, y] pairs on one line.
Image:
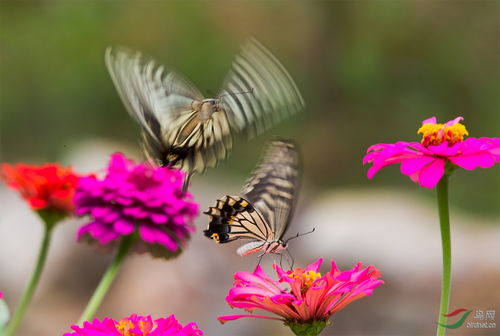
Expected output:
{"points": [[263, 214]]}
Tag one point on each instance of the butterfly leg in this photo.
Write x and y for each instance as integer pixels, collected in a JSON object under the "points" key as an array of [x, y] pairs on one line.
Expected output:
{"points": [[292, 260], [281, 259], [260, 257]]}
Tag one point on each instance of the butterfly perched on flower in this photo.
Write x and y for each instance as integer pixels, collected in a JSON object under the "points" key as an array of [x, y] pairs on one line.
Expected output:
{"points": [[263, 213], [183, 129]]}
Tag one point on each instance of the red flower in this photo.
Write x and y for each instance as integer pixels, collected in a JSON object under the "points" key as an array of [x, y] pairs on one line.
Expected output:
{"points": [[47, 187]]}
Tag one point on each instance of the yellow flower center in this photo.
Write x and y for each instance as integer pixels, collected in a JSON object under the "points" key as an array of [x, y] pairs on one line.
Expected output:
{"points": [[436, 134], [308, 276], [124, 326]]}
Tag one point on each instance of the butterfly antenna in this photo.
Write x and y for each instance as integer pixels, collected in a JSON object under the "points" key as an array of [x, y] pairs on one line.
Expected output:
{"points": [[235, 93], [299, 235]]}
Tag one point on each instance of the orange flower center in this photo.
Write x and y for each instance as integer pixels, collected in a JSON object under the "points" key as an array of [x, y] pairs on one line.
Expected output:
{"points": [[125, 325], [308, 276], [436, 134]]}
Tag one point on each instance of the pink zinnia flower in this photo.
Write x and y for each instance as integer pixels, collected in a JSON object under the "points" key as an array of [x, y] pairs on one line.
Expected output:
{"points": [[137, 198], [442, 147], [302, 296], [135, 325]]}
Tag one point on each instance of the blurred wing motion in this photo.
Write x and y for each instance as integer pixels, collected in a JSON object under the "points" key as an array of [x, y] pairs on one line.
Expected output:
{"points": [[273, 94], [181, 128], [264, 212], [167, 107]]}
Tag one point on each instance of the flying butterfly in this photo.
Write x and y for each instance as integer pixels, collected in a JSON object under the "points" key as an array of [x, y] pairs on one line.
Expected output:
{"points": [[183, 129], [264, 211]]}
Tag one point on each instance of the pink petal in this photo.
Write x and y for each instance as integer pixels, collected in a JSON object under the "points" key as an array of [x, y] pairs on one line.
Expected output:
{"points": [[159, 218], [124, 227], [246, 292], [258, 282], [414, 176], [147, 234], [431, 120], [473, 161], [314, 266], [454, 121], [431, 174], [443, 149], [410, 166], [227, 318]]}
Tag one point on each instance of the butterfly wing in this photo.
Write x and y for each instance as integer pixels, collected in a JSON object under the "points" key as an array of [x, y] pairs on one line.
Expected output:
{"points": [[235, 218], [272, 95], [162, 103], [273, 187]]}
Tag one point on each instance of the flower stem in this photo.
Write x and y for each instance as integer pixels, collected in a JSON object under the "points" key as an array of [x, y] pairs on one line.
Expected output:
{"points": [[35, 277], [444, 221], [107, 279]]}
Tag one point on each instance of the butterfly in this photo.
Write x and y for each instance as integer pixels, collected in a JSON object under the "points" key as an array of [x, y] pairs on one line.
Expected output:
{"points": [[263, 213], [183, 129]]}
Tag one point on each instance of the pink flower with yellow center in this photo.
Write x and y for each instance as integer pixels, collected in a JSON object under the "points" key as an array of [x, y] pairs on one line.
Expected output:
{"points": [[135, 325], [302, 298], [442, 147]]}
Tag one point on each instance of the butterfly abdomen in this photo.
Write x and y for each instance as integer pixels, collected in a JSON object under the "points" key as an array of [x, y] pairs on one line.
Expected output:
{"points": [[222, 215]]}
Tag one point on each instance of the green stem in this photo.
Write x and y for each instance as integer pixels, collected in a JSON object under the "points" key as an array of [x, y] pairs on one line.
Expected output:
{"points": [[35, 277], [107, 279], [444, 221]]}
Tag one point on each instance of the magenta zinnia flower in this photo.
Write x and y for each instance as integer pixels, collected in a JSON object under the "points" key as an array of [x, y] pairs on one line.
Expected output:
{"points": [[135, 325], [137, 198], [442, 147], [302, 298]]}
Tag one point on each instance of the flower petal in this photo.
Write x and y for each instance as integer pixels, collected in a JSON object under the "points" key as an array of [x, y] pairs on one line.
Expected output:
{"points": [[227, 318], [412, 165], [314, 266], [454, 121], [431, 120], [472, 161], [431, 174]]}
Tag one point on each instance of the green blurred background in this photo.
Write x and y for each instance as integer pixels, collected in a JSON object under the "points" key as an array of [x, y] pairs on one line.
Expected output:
{"points": [[369, 71]]}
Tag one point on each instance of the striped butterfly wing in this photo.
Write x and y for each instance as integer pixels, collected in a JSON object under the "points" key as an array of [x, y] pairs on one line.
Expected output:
{"points": [[234, 218], [273, 187], [163, 103], [263, 214], [272, 94]]}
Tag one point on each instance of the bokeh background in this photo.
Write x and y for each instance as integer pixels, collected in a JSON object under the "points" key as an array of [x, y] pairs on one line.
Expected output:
{"points": [[369, 72]]}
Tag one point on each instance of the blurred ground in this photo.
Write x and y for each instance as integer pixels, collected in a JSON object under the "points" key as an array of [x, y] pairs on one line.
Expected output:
{"points": [[397, 231]]}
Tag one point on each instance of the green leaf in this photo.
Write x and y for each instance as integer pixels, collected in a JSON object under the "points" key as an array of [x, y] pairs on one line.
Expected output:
{"points": [[307, 329]]}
